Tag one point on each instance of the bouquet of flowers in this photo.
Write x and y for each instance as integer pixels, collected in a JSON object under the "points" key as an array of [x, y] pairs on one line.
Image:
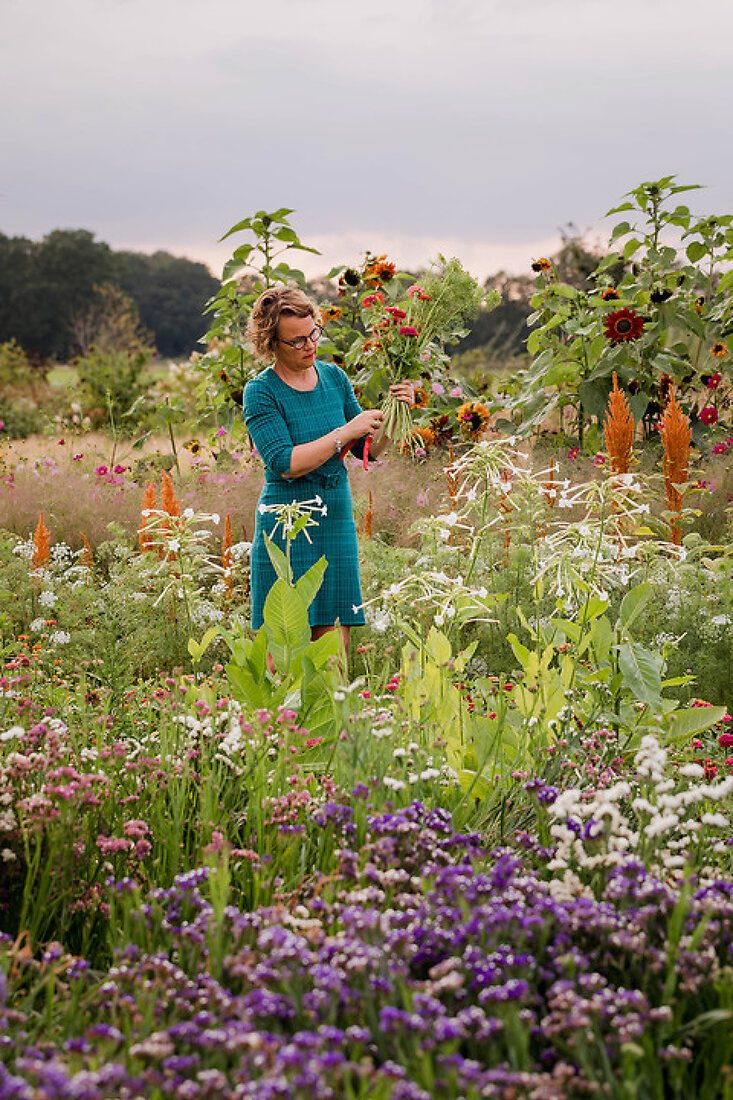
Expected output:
{"points": [[408, 333]]}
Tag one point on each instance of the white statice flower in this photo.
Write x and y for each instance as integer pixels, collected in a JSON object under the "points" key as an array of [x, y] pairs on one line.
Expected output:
{"points": [[60, 637], [47, 598], [715, 821], [721, 620], [8, 821], [7, 855], [430, 773], [24, 549], [399, 752], [394, 784]]}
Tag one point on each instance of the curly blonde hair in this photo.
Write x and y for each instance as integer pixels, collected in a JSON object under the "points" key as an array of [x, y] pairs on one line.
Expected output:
{"points": [[272, 304]]}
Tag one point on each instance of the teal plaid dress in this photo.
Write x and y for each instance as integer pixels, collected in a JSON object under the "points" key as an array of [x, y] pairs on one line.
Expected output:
{"points": [[279, 418]]}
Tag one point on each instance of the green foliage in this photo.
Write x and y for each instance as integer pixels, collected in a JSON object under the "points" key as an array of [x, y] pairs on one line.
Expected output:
{"points": [[228, 362], [110, 382], [681, 304]]}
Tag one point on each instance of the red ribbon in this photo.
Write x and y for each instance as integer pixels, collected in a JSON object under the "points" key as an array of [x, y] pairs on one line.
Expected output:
{"points": [[367, 442]]}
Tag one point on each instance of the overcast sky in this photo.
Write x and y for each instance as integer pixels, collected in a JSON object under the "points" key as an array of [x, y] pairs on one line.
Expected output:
{"points": [[476, 128]]}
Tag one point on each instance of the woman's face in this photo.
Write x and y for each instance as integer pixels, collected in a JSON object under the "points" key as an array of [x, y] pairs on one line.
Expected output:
{"points": [[291, 328]]}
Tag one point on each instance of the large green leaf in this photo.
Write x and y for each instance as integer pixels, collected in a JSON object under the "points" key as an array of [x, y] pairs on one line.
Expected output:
{"points": [[686, 723], [633, 604], [278, 559], [307, 585], [642, 672], [286, 619]]}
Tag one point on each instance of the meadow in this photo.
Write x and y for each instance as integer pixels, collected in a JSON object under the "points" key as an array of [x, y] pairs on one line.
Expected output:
{"points": [[490, 854]]}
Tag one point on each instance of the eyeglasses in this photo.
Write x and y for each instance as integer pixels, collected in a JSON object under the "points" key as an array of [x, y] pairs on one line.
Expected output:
{"points": [[299, 343]]}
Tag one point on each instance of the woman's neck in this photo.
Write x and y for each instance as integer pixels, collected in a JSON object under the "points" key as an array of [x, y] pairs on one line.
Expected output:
{"points": [[306, 379]]}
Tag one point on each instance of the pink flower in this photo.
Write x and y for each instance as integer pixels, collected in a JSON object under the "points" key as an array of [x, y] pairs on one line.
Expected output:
{"points": [[437, 387], [599, 460], [408, 330], [725, 740], [372, 300], [398, 314], [713, 381], [101, 471], [456, 392], [77, 458], [416, 291], [720, 449], [2, 425], [709, 415], [221, 432], [573, 452], [120, 469]]}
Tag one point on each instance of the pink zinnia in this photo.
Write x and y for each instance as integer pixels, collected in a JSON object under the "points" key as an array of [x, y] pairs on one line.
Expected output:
{"points": [[398, 314], [725, 740], [408, 330], [709, 415]]}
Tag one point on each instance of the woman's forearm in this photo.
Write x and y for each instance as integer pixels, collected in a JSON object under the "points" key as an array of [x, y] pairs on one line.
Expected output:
{"points": [[306, 457]]}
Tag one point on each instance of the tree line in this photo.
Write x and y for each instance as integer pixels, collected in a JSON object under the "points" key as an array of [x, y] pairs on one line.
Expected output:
{"points": [[46, 286]]}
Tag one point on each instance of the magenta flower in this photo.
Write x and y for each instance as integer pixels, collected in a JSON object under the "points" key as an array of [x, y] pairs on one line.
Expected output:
{"points": [[720, 449], [77, 458], [101, 471], [398, 314], [408, 330], [573, 452], [709, 415], [120, 469], [713, 381]]}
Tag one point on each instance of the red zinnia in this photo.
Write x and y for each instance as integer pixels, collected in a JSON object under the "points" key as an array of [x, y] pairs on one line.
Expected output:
{"points": [[623, 325], [408, 330], [709, 415]]}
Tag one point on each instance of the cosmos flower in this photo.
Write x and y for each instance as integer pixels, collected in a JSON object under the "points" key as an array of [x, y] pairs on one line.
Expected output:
{"points": [[709, 415]]}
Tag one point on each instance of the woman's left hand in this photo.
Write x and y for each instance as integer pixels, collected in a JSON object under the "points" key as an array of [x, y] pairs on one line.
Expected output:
{"points": [[403, 391]]}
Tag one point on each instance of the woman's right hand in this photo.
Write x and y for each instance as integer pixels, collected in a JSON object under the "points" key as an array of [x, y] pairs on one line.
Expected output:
{"points": [[368, 422]]}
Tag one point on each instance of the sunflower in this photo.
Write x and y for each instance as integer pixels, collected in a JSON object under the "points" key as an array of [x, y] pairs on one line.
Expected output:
{"points": [[331, 313], [428, 437], [541, 265], [347, 278], [623, 325], [473, 419], [719, 350], [194, 446], [422, 398], [609, 294]]}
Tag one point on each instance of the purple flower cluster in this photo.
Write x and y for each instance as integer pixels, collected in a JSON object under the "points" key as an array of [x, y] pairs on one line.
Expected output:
{"points": [[424, 967]]}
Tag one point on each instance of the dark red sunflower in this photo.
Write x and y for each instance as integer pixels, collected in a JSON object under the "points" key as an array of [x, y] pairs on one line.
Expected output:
{"points": [[623, 325]]}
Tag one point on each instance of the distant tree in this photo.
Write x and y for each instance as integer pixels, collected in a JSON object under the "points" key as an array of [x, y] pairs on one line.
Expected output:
{"points": [[170, 293], [110, 322]]}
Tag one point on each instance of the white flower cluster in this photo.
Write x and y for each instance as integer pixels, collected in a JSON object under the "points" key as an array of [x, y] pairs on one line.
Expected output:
{"points": [[655, 818]]}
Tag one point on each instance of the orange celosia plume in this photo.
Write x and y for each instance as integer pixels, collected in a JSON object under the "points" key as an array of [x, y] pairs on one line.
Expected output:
{"points": [[619, 430], [170, 503], [676, 436], [150, 503], [41, 545], [369, 517], [87, 560]]}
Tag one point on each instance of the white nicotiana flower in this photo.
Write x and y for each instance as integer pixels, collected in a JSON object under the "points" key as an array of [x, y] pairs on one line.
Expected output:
{"points": [[174, 545], [60, 637], [188, 513], [12, 733], [37, 624], [47, 598]]}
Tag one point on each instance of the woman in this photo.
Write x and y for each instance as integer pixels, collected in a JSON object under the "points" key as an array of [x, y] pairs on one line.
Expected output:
{"points": [[302, 413]]}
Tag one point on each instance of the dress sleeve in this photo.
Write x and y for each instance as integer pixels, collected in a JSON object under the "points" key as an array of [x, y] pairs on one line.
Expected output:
{"points": [[268, 429]]}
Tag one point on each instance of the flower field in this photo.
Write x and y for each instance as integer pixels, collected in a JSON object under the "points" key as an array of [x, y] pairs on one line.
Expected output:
{"points": [[489, 854]]}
